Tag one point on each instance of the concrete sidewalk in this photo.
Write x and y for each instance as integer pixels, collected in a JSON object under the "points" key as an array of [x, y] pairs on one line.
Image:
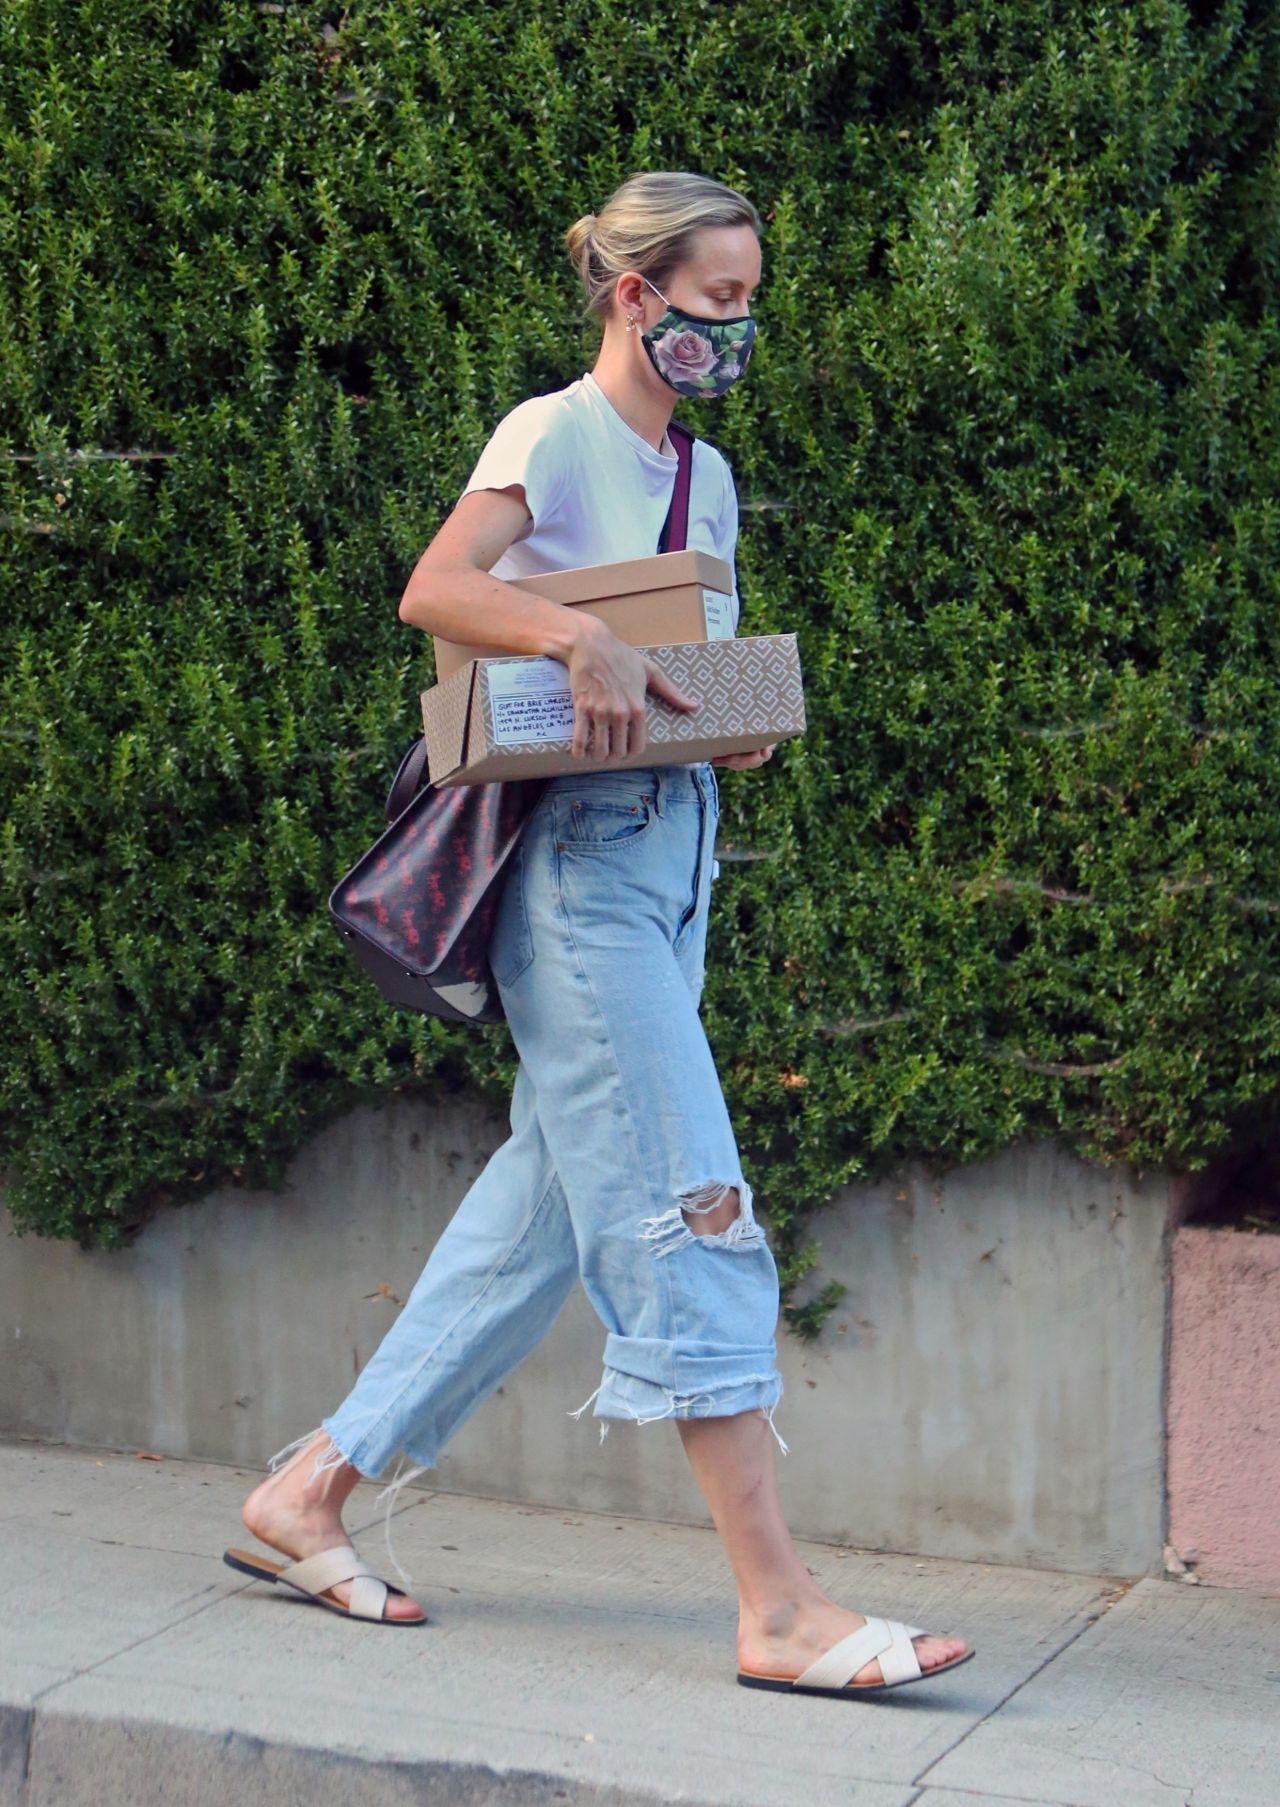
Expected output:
{"points": [[579, 1658]]}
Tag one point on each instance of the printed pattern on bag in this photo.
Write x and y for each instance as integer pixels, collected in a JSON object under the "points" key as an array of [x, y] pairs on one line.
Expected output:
{"points": [[413, 905]]}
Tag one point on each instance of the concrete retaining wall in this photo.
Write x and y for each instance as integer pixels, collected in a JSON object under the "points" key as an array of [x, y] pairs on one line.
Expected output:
{"points": [[992, 1388]]}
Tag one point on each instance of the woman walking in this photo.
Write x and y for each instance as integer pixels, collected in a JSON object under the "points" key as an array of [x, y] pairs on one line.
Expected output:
{"points": [[621, 1168]]}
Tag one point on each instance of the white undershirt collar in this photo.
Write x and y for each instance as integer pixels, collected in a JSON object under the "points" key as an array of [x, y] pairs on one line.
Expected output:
{"points": [[662, 460]]}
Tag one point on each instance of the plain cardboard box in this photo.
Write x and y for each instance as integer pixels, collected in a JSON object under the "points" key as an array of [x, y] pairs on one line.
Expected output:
{"points": [[669, 596], [512, 716]]}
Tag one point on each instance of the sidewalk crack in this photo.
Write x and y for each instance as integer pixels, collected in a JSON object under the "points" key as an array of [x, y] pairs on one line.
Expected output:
{"points": [[146, 1638], [1113, 1590]]}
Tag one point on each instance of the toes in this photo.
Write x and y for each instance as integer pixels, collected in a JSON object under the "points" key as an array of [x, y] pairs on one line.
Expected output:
{"points": [[872, 1672], [930, 1651], [401, 1605], [396, 1605]]}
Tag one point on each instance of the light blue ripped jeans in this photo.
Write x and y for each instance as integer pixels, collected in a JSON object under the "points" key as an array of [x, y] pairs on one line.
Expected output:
{"points": [[618, 1127]]}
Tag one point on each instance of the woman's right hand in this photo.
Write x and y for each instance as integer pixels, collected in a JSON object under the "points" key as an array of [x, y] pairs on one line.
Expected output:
{"points": [[609, 680]]}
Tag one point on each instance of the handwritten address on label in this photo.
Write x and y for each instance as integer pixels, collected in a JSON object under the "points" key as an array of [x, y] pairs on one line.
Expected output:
{"points": [[531, 700]]}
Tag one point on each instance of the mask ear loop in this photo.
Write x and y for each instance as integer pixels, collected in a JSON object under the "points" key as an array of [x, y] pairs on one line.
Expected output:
{"points": [[701, 319], [631, 322]]}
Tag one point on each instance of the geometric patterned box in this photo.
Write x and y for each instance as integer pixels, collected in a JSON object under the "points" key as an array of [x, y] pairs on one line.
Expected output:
{"points": [[512, 717]]}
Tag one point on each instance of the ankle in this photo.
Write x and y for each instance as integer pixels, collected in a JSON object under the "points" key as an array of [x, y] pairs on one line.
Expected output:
{"points": [[777, 1614], [321, 1493]]}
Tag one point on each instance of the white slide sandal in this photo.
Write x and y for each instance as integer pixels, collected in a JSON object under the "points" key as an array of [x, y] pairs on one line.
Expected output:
{"points": [[889, 1640], [314, 1575]]}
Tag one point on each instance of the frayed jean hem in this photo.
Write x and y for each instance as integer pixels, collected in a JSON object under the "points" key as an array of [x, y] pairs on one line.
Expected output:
{"points": [[639, 1401], [331, 1455]]}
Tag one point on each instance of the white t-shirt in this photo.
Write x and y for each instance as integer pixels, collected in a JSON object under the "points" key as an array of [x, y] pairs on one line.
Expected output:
{"points": [[596, 489]]}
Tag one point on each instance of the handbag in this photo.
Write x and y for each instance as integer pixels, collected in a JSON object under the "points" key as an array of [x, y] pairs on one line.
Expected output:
{"points": [[417, 909]]}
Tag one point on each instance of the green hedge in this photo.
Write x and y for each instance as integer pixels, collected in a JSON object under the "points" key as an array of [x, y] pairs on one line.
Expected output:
{"points": [[1008, 464]]}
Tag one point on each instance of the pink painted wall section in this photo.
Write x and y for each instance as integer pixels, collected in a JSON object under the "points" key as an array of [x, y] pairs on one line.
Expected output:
{"points": [[1224, 1405]]}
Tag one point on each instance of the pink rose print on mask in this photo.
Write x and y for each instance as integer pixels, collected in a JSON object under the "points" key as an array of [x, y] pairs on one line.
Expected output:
{"points": [[684, 354]]}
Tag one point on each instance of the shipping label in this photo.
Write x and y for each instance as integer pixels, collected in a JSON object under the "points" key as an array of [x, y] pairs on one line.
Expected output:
{"points": [[717, 609], [531, 700]]}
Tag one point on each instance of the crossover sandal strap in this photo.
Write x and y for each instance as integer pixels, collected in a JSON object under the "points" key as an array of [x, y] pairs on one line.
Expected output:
{"points": [[316, 1574], [368, 1596], [887, 1639]]}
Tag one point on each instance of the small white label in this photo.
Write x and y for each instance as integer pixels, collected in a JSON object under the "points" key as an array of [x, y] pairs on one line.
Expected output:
{"points": [[531, 700], [717, 609]]}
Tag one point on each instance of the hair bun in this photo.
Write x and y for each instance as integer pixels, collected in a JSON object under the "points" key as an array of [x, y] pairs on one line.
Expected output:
{"points": [[577, 237]]}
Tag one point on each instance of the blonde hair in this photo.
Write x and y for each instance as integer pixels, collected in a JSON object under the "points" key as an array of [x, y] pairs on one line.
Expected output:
{"points": [[648, 224]]}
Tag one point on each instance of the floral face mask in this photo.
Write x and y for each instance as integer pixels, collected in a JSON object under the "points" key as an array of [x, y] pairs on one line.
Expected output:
{"points": [[697, 355]]}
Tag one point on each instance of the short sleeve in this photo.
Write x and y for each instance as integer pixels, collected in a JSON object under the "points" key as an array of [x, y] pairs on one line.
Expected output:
{"points": [[532, 445], [727, 538]]}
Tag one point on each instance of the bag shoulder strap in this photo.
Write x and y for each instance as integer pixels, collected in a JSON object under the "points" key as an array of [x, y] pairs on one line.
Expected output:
{"points": [[408, 779], [676, 525]]}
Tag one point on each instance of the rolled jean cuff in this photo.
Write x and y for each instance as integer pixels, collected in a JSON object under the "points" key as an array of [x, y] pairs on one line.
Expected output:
{"points": [[688, 1366], [648, 1377], [624, 1396], [631, 1396]]}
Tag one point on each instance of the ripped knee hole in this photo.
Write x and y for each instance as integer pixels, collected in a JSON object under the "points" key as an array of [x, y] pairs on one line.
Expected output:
{"points": [[725, 1209], [710, 1209]]}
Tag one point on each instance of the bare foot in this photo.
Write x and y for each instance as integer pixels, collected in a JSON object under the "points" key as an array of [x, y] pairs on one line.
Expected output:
{"points": [[300, 1517], [786, 1641]]}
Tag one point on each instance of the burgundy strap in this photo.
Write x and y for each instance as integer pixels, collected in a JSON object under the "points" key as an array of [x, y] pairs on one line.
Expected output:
{"points": [[676, 526]]}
